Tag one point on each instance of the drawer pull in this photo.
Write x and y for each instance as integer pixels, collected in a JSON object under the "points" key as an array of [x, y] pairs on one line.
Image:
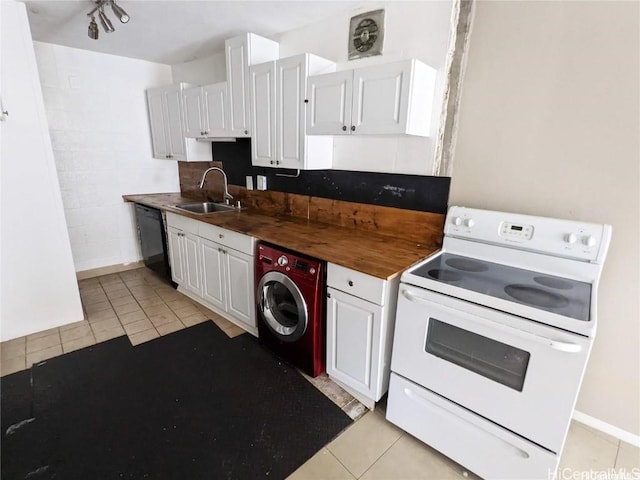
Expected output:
{"points": [[350, 282]]}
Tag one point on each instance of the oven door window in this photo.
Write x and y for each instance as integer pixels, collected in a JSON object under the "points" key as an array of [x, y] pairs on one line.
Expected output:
{"points": [[497, 361], [282, 306]]}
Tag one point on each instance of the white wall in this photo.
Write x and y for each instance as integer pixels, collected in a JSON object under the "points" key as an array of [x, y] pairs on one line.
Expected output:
{"points": [[412, 30], [38, 284], [549, 125], [99, 127], [203, 71]]}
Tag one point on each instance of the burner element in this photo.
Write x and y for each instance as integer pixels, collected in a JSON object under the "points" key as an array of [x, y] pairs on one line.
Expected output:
{"points": [[445, 275], [536, 296], [553, 282], [466, 265]]}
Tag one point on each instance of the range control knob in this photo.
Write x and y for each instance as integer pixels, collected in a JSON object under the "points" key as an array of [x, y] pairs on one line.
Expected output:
{"points": [[589, 240], [571, 238], [282, 261], [469, 222], [457, 221]]}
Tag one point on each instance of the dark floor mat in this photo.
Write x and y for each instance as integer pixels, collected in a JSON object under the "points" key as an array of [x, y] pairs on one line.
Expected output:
{"points": [[15, 398], [194, 405]]}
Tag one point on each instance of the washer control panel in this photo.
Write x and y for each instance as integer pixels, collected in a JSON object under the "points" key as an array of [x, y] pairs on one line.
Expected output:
{"points": [[299, 266]]}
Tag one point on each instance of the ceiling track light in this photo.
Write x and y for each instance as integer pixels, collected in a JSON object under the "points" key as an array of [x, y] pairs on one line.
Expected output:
{"points": [[93, 28], [106, 23], [104, 20], [119, 12]]}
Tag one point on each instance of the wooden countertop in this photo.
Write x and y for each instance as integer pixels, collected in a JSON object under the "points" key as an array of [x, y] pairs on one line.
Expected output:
{"points": [[378, 255]]}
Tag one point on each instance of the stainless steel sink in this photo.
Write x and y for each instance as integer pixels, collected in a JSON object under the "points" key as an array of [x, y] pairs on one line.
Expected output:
{"points": [[205, 207]]}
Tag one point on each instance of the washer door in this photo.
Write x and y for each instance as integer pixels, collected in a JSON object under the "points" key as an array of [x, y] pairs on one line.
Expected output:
{"points": [[282, 306]]}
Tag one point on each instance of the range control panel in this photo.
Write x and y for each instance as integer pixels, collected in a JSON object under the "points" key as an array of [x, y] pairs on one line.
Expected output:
{"points": [[516, 231], [566, 238]]}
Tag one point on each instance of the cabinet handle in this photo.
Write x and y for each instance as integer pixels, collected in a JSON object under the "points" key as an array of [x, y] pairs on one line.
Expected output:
{"points": [[350, 282], [344, 128], [271, 162], [277, 162], [206, 133], [220, 250], [246, 132], [220, 235], [306, 100], [353, 128], [328, 295]]}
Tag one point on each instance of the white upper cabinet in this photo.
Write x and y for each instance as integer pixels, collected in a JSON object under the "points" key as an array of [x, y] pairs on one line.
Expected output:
{"points": [[263, 103], [241, 52], [166, 109], [206, 112], [394, 98], [279, 102]]}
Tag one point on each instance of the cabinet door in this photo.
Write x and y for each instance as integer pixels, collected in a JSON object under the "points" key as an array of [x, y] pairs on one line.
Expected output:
{"points": [[192, 263], [213, 284], [194, 123], [177, 144], [380, 98], [291, 87], [353, 341], [175, 255], [157, 121], [263, 102], [329, 108], [240, 285], [237, 58], [215, 110]]}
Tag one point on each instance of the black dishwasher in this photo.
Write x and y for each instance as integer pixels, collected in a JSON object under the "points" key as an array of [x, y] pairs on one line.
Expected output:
{"points": [[153, 241]]}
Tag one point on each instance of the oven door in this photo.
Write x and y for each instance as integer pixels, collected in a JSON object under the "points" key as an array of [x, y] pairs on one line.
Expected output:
{"points": [[517, 373]]}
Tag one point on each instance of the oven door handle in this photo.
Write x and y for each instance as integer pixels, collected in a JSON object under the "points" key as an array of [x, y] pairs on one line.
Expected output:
{"points": [[566, 347], [445, 412]]}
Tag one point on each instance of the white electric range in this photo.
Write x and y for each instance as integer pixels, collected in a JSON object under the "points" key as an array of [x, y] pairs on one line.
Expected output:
{"points": [[492, 338]]}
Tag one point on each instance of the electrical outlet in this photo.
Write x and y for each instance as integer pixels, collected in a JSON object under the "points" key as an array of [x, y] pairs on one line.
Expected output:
{"points": [[249, 182], [262, 182]]}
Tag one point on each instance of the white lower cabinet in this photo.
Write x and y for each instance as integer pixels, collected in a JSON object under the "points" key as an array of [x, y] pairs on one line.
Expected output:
{"points": [[360, 315], [215, 267], [185, 266], [227, 277]]}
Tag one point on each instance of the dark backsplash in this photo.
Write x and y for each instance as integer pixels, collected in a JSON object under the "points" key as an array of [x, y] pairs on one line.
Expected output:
{"points": [[412, 192]]}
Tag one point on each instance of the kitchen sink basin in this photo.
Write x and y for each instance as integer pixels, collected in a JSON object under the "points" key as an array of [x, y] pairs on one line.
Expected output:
{"points": [[205, 207]]}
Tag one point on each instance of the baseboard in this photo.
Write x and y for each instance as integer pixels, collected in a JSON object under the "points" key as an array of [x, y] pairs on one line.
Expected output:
{"points": [[607, 428], [97, 272]]}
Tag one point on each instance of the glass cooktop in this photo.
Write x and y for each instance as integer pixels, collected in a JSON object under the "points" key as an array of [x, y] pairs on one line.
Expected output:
{"points": [[558, 295]]}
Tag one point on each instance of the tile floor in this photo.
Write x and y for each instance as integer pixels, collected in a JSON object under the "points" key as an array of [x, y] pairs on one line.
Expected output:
{"points": [[137, 304]]}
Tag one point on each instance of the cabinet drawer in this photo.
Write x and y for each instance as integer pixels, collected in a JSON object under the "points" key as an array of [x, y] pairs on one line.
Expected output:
{"points": [[356, 283], [237, 241], [470, 440], [182, 223]]}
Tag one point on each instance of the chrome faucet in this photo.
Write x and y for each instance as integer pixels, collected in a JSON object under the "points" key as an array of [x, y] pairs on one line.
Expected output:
{"points": [[227, 196]]}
